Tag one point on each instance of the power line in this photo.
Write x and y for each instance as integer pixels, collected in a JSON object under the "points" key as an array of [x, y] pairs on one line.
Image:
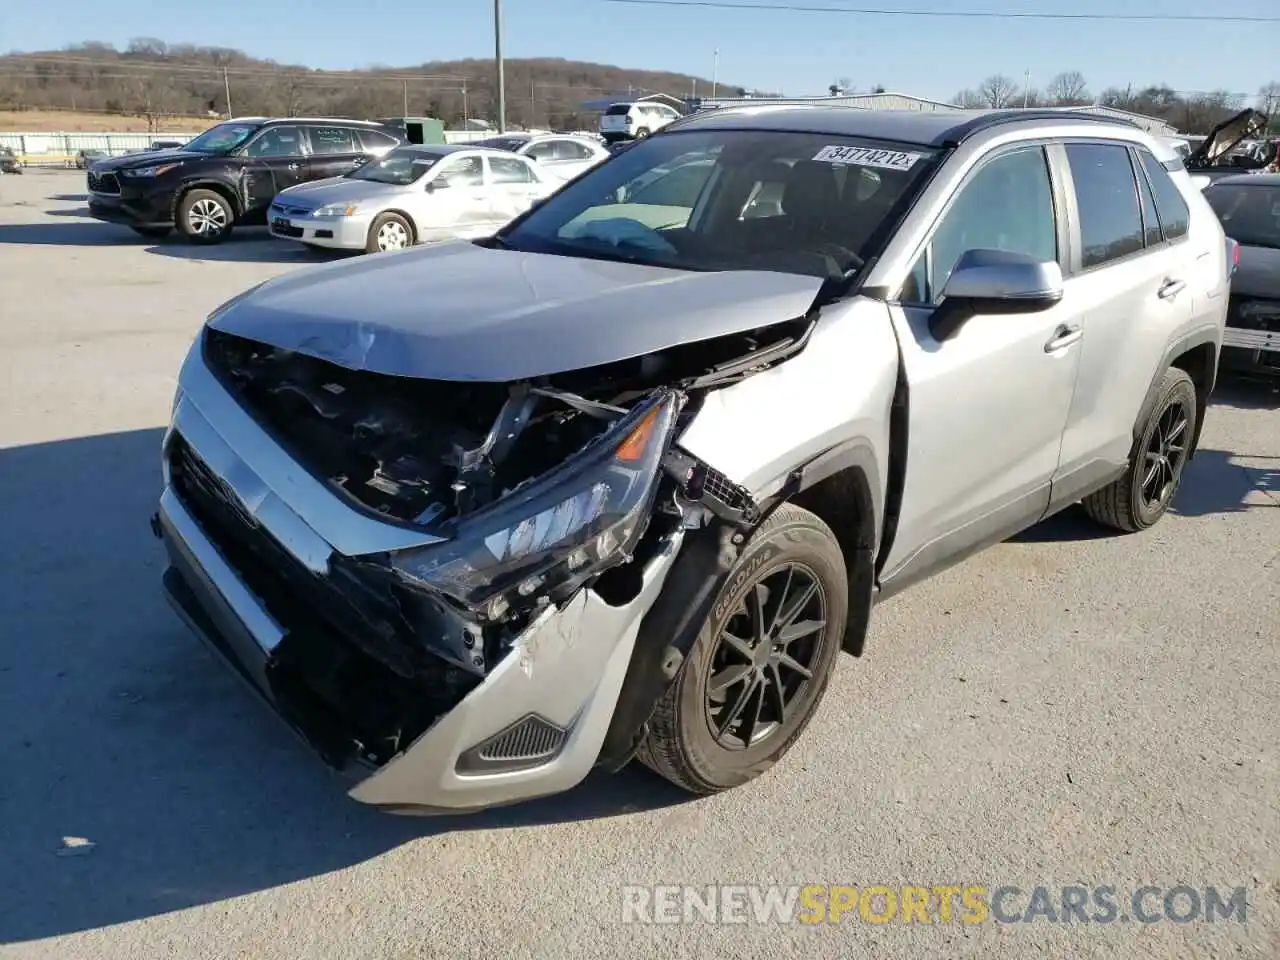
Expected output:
{"points": [[954, 14]]}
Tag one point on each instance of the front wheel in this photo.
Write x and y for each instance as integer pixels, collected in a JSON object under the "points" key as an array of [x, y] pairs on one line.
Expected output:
{"points": [[642, 133], [761, 662], [389, 231], [205, 216], [1144, 494]]}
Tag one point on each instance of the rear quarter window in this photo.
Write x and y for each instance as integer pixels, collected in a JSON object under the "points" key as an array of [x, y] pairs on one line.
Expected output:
{"points": [[1175, 216]]}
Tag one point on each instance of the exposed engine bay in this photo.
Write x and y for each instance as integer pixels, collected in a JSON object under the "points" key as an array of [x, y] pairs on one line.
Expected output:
{"points": [[427, 451], [378, 648]]}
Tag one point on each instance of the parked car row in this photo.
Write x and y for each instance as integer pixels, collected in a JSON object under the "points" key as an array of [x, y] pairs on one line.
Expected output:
{"points": [[342, 184]]}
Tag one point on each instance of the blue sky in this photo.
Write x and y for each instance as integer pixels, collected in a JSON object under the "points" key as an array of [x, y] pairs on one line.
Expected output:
{"points": [[797, 53]]}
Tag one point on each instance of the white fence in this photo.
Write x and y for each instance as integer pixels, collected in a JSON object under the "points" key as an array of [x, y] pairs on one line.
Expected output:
{"points": [[60, 149]]}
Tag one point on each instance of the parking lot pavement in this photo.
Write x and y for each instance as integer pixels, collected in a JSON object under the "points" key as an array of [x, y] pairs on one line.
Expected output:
{"points": [[1069, 708]]}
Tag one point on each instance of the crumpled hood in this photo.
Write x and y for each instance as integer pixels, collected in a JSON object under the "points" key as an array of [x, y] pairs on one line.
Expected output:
{"points": [[457, 311], [335, 190]]}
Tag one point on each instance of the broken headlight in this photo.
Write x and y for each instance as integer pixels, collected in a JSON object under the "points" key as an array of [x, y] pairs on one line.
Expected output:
{"points": [[553, 533]]}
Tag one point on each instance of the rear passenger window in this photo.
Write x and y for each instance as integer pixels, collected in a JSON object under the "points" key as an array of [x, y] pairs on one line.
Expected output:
{"points": [[1175, 217], [1007, 205], [1107, 196], [330, 140], [1150, 220]]}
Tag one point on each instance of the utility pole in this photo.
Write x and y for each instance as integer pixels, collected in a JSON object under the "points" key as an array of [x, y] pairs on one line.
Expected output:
{"points": [[715, 69], [1026, 89], [226, 87], [497, 58], [466, 115], [405, 111]]}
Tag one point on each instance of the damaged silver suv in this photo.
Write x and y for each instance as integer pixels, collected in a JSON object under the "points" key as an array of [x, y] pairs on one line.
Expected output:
{"points": [[623, 479]]}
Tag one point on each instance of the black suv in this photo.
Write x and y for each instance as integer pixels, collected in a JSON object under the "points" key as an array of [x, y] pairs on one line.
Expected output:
{"points": [[229, 173]]}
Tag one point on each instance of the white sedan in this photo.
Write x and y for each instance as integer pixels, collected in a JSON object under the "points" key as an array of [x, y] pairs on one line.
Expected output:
{"points": [[561, 155], [414, 194]]}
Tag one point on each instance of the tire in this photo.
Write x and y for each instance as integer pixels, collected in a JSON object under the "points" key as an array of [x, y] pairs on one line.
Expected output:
{"points": [[389, 228], [642, 133], [205, 216], [152, 233], [1143, 495], [793, 549]]}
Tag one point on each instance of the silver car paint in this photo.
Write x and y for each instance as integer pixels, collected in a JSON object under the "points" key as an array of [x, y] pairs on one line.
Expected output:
{"points": [[836, 391], [977, 445], [441, 310], [581, 652], [470, 210]]}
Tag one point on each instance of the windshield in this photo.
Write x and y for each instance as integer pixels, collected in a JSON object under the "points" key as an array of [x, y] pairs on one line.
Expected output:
{"points": [[223, 138], [813, 204], [1250, 213], [503, 143], [400, 167]]}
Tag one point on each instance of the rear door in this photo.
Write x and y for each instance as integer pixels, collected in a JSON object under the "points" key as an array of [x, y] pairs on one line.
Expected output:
{"points": [[275, 160], [1134, 279], [457, 202], [513, 186], [335, 150]]}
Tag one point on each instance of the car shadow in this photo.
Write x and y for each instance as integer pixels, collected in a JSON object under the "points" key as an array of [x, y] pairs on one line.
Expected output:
{"points": [[247, 245], [119, 729], [1069, 524], [86, 234], [1245, 391], [1218, 482], [70, 197], [70, 212]]}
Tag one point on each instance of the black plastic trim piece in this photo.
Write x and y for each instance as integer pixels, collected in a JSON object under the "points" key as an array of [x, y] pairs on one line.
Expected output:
{"points": [[1197, 338], [532, 741], [667, 634]]}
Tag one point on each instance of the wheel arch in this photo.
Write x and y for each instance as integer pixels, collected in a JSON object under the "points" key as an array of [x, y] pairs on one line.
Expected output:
{"points": [[1196, 354], [225, 191], [414, 232], [843, 487]]}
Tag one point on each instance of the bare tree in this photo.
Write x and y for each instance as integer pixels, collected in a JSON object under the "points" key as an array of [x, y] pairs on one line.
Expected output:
{"points": [[998, 91], [1069, 89], [1269, 102], [969, 100]]}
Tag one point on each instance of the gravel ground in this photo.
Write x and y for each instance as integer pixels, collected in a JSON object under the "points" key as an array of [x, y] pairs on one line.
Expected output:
{"points": [[1067, 708]]}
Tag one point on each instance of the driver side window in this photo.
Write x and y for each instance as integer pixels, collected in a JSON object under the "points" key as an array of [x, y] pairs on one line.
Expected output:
{"points": [[462, 172], [1007, 205]]}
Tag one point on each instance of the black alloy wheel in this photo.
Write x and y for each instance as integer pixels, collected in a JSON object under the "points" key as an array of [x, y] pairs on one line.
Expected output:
{"points": [[765, 655]]}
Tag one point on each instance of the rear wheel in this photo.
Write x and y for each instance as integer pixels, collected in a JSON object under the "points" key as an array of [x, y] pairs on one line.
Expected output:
{"points": [[642, 133], [389, 231], [761, 662], [152, 233], [205, 216], [1144, 494]]}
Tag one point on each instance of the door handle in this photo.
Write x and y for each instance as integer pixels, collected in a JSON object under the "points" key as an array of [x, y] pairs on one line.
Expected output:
{"points": [[293, 166], [1170, 288], [1064, 336]]}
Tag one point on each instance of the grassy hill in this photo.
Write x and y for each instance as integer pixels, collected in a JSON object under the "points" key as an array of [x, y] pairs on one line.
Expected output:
{"points": [[153, 81]]}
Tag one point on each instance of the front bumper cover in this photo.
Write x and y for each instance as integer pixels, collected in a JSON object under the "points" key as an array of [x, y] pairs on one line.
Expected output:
{"points": [[547, 704]]}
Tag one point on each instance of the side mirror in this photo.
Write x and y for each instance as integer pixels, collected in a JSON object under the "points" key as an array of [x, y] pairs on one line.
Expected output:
{"points": [[995, 281], [439, 183]]}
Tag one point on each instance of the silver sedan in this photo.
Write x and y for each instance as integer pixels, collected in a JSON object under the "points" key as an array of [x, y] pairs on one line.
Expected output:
{"points": [[414, 194]]}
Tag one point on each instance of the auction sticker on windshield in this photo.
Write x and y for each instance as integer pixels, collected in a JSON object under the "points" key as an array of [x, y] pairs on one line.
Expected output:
{"points": [[869, 157]]}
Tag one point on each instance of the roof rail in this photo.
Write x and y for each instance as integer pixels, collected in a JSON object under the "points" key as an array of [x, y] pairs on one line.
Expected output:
{"points": [[984, 121]]}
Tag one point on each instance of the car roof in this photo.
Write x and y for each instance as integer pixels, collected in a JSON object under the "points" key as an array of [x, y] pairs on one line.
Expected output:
{"points": [[346, 121], [1248, 180], [928, 129]]}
